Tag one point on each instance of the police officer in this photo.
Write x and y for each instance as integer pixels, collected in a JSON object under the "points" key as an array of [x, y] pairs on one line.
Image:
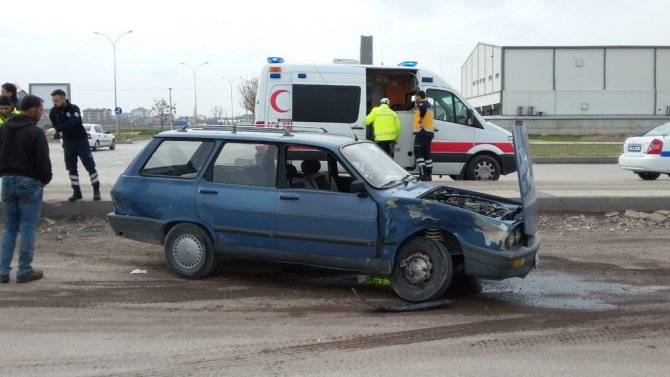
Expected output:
{"points": [[386, 125], [423, 135], [66, 119]]}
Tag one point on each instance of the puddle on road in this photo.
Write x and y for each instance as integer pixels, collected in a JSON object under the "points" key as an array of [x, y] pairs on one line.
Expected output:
{"points": [[564, 291]]}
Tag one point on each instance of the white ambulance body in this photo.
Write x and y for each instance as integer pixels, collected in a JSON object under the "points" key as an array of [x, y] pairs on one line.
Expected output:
{"points": [[337, 97]]}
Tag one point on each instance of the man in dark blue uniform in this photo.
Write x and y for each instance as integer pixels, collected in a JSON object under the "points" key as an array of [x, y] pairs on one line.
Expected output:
{"points": [[66, 119]]}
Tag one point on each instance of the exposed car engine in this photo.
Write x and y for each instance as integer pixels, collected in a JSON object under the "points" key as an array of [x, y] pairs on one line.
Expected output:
{"points": [[475, 203]]}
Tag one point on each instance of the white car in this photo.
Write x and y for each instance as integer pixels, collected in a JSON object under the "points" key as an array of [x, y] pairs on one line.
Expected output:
{"points": [[99, 137], [648, 155]]}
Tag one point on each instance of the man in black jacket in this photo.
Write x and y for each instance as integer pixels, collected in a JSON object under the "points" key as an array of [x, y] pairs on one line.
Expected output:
{"points": [[25, 168], [66, 119]]}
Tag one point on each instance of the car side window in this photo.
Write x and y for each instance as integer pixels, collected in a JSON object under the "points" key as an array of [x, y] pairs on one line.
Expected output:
{"points": [[97, 129], [251, 164], [443, 105], [178, 158]]}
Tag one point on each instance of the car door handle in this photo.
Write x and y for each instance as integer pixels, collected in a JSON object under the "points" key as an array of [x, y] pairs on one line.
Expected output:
{"points": [[206, 191], [356, 128], [288, 197]]}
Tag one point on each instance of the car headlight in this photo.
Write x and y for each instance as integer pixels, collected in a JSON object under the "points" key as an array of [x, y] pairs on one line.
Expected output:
{"points": [[513, 238]]}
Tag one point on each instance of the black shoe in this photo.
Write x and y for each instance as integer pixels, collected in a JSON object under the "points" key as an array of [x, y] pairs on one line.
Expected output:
{"points": [[30, 276], [4, 279], [96, 195], [75, 196]]}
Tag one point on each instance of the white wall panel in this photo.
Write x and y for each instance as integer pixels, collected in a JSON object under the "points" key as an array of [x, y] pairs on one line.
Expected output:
{"points": [[629, 69], [580, 69], [528, 69]]}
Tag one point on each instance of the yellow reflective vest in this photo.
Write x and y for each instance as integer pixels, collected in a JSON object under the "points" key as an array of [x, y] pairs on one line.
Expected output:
{"points": [[3, 119], [385, 123], [428, 117]]}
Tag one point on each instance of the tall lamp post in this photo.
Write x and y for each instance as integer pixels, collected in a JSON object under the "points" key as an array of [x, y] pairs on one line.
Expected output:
{"points": [[195, 88], [231, 94], [113, 42]]}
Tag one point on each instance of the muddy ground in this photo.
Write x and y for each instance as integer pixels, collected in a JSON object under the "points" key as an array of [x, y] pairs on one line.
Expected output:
{"points": [[598, 305]]}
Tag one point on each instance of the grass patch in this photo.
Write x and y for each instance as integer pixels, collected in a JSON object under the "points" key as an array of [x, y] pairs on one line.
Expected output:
{"points": [[575, 150], [578, 138]]}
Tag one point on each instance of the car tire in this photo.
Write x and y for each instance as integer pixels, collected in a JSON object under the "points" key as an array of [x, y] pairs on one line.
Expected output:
{"points": [[648, 176], [483, 168], [112, 146], [189, 251], [96, 146], [422, 270]]}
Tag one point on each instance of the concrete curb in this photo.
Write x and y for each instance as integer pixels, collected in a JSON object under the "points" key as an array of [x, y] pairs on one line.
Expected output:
{"points": [[582, 204], [575, 160]]}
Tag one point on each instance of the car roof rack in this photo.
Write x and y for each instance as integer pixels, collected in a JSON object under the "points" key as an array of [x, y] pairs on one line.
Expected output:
{"points": [[286, 130]]}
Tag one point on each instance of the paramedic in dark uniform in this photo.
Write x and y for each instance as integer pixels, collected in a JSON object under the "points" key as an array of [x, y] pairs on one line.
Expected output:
{"points": [[385, 124], [423, 135], [66, 119]]}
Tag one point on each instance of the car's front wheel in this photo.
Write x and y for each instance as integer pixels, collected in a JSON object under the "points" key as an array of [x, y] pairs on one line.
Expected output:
{"points": [[422, 270], [112, 146], [648, 176], [189, 251]]}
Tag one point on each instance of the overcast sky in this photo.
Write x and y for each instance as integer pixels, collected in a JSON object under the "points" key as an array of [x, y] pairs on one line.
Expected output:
{"points": [[53, 41]]}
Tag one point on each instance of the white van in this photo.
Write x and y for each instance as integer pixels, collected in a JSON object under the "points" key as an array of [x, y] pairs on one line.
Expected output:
{"points": [[337, 97]]}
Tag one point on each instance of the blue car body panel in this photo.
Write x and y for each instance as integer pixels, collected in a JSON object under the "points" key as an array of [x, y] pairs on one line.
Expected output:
{"points": [[333, 229]]}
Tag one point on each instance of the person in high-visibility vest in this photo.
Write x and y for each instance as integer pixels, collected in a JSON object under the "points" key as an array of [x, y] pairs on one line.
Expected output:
{"points": [[423, 135], [385, 124], [6, 109]]}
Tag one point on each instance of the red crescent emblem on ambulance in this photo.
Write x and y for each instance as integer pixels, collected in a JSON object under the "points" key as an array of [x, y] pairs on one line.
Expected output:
{"points": [[273, 101]]}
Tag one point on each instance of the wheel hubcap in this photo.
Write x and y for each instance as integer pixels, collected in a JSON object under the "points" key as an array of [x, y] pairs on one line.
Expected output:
{"points": [[484, 171], [187, 251], [417, 268]]}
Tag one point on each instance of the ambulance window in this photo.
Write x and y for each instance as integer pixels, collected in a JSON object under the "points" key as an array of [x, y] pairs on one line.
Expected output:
{"points": [[461, 111], [326, 103], [443, 105]]}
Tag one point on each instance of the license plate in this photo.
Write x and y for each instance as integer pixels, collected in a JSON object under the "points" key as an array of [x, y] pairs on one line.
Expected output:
{"points": [[634, 148]]}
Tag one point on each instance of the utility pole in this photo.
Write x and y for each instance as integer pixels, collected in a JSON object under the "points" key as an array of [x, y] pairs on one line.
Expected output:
{"points": [[171, 116]]}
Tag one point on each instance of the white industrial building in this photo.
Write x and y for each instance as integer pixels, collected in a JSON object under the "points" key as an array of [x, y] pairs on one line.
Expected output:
{"points": [[575, 82]]}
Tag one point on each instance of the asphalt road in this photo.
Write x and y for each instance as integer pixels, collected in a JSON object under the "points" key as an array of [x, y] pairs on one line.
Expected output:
{"points": [[111, 164]]}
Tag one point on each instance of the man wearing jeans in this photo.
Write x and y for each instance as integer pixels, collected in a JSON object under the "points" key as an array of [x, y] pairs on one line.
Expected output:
{"points": [[25, 168]]}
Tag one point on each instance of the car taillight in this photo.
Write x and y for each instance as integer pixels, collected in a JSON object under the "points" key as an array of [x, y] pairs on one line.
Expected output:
{"points": [[89, 135], [655, 147]]}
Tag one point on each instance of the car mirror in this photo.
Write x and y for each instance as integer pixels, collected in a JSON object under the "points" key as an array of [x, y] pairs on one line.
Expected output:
{"points": [[470, 117], [358, 186]]}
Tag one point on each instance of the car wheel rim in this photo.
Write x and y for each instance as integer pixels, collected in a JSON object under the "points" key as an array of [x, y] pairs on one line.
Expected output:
{"points": [[187, 251], [417, 268], [484, 171]]}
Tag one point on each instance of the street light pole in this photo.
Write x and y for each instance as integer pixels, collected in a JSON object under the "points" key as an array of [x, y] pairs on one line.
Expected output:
{"points": [[171, 115], [113, 42], [231, 94], [195, 88]]}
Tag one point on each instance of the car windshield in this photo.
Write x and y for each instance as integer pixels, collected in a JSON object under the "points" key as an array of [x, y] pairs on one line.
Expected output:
{"points": [[662, 130], [373, 164]]}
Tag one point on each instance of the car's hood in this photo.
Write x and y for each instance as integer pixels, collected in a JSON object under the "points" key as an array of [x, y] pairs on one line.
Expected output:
{"points": [[527, 192]]}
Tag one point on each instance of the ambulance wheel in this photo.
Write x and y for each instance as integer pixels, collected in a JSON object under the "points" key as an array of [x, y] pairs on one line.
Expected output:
{"points": [[648, 176], [422, 270], [483, 168]]}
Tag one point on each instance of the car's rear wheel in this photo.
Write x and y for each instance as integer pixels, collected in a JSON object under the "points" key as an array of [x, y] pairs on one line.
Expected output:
{"points": [[112, 146], [422, 270], [96, 146], [648, 176], [483, 168], [189, 251]]}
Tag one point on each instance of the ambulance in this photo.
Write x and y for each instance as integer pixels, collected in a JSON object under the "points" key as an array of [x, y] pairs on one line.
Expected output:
{"points": [[337, 97]]}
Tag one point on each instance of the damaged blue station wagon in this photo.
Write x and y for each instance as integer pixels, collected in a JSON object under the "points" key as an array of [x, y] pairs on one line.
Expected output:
{"points": [[317, 199]]}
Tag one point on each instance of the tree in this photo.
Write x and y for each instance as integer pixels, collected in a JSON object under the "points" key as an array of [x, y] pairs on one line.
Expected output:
{"points": [[163, 110], [217, 112], [247, 91]]}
